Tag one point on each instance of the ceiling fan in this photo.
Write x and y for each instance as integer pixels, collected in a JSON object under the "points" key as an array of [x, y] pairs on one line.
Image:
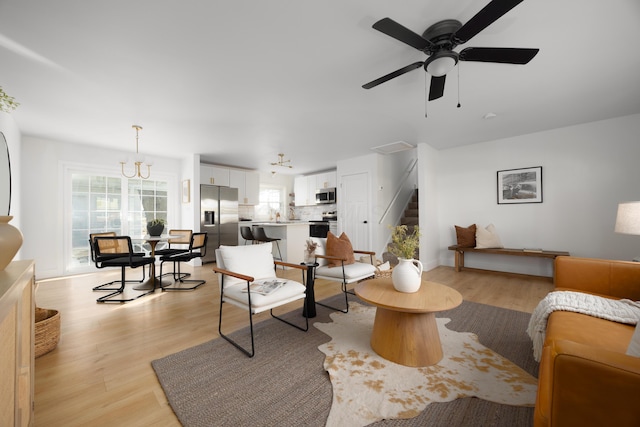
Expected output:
{"points": [[439, 40]]}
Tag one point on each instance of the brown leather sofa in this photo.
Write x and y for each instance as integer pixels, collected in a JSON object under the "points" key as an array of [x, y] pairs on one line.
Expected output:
{"points": [[585, 377]]}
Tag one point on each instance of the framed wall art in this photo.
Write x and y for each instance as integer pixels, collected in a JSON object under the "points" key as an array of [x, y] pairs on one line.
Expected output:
{"points": [[186, 191], [520, 186]]}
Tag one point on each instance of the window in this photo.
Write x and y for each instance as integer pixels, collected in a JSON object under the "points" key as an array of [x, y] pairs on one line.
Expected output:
{"points": [[270, 203], [101, 203]]}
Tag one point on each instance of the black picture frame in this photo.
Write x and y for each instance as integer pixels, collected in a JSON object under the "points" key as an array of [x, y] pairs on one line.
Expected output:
{"points": [[516, 186]]}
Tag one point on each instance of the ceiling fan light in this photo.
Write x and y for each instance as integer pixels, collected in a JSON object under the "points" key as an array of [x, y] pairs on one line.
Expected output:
{"points": [[441, 63]]}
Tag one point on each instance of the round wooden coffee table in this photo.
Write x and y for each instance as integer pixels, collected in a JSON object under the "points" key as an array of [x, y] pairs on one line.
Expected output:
{"points": [[405, 329]]}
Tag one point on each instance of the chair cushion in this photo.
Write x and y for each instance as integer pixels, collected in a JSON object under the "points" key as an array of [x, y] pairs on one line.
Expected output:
{"points": [[339, 247], [290, 291], [321, 249], [352, 272], [250, 260]]}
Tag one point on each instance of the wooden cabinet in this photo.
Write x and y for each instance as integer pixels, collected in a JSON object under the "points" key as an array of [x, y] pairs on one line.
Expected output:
{"points": [[214, 175], [248, 185], [17, 317]]}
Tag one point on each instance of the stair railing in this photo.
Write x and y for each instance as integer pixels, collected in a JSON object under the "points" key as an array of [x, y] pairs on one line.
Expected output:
{"points": [[406, 176]]}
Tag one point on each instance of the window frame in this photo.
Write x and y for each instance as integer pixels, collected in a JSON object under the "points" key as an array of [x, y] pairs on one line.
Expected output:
{"points": [[69, 169]]}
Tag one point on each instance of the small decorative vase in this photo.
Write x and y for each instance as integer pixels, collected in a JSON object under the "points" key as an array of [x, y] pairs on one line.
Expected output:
{"points": [[309, 256], [407, 275], [10, 241], [155, 230]]}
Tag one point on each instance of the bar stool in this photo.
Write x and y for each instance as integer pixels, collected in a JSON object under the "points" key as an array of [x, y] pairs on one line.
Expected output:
{"points": [[247, 235], [260, 236]]}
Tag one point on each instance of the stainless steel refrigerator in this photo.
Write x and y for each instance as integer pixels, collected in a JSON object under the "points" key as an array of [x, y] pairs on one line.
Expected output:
{"points": [[218, 217]]}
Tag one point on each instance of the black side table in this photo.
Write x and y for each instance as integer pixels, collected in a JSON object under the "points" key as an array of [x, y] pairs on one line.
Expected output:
{"points": [[309, 309]]}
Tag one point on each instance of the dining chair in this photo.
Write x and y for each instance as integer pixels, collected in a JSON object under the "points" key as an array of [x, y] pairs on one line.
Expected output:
{"points": [[117, 251], [109, 285], [243, 271], [197, 249], [175, 245]]}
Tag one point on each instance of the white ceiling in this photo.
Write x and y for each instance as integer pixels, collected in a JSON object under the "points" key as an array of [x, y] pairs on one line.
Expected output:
{"points": [[241, 81]]}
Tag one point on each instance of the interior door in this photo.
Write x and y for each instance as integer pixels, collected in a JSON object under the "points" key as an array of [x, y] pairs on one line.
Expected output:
{"points": [[354, 208]]}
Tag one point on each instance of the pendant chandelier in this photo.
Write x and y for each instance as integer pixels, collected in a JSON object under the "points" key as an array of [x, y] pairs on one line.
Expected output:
{"points": [[138, 161], [282, 162]]}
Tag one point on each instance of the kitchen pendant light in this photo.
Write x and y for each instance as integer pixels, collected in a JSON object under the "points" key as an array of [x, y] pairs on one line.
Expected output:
{"points": [[282, 162]]}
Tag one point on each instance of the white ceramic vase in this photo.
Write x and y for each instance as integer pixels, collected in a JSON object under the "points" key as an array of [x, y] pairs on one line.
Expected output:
{"points": [[10, 241], [407, 275]]}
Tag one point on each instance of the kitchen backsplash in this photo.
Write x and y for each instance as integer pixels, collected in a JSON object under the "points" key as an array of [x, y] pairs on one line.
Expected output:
{"points": [[304, 213], [309, 213]]}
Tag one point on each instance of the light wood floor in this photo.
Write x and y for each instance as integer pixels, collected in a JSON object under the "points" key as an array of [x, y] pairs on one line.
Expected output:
{"points": [[100, 374]]}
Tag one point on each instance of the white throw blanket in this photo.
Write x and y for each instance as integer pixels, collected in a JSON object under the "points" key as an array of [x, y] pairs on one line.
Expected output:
{"points": [[622, 311]]}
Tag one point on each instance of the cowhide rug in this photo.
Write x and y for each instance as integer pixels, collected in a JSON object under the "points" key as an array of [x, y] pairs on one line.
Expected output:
{"points": [[368, 388]]}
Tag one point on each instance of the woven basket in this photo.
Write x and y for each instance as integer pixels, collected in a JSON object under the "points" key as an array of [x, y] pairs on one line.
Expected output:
{"points": [[47, 330], [383, 274]]}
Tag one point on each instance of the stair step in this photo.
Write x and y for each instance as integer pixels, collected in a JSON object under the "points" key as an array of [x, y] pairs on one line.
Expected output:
{"points": [[409, 221], [412, 205], [411, 212]]}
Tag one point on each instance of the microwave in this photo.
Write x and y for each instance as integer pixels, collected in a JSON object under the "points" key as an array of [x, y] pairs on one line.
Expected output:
{"points": [[325, 195]]}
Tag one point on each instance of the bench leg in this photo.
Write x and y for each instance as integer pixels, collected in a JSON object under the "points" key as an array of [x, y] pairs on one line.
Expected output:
{"points": [[459, 260]]}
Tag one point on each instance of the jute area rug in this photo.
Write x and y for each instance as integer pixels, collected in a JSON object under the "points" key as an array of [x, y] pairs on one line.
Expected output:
{"points": [[286, 384]]}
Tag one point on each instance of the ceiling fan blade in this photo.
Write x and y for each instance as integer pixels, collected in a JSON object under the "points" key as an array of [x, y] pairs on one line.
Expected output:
{"points": [[399, 32], [504, 55], [487, 16], [436, 90], [393, 75]]}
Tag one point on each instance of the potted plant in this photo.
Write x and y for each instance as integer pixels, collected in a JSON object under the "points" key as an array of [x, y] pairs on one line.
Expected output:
{"points": [[407, 275], [155, 227]]}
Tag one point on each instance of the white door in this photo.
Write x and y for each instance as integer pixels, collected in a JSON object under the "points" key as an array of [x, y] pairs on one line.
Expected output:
{"points": [[354, 209]]}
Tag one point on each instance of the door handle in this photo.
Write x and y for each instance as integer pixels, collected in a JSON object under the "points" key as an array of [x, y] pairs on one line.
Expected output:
{"points": [[364, 222]]}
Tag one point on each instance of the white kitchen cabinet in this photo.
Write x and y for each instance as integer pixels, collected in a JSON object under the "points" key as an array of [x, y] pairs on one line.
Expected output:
{"points": [[248, 185], [327, 180], [305, 186], [214, 175], [301, 188], [252, 188]]}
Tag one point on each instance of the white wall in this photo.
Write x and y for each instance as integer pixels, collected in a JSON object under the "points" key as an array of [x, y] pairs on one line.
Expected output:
{"points": [[41, 194], [428, 206], [586, 171], [13, 137]]}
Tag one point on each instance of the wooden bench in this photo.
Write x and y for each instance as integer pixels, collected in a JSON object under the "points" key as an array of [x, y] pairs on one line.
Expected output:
{"points": [[459, 253]]}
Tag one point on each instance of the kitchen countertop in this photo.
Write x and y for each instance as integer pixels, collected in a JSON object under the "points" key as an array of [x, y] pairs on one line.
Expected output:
{"points": [[281, 223]]}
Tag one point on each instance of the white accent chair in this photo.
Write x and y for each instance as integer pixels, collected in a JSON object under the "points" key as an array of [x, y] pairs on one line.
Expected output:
{"points": [[345, 273], [239, 266]]}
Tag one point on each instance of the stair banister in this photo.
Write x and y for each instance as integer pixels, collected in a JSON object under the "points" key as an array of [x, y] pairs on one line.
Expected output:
{"points": [[397, 194]]}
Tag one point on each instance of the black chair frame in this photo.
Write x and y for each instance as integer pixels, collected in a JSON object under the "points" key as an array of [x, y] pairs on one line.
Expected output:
{"points": [[247, 235], [249, 279], [196, 250], [122, 260], [345, 291], [260, 236], [174, 251], [108, 286]]}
